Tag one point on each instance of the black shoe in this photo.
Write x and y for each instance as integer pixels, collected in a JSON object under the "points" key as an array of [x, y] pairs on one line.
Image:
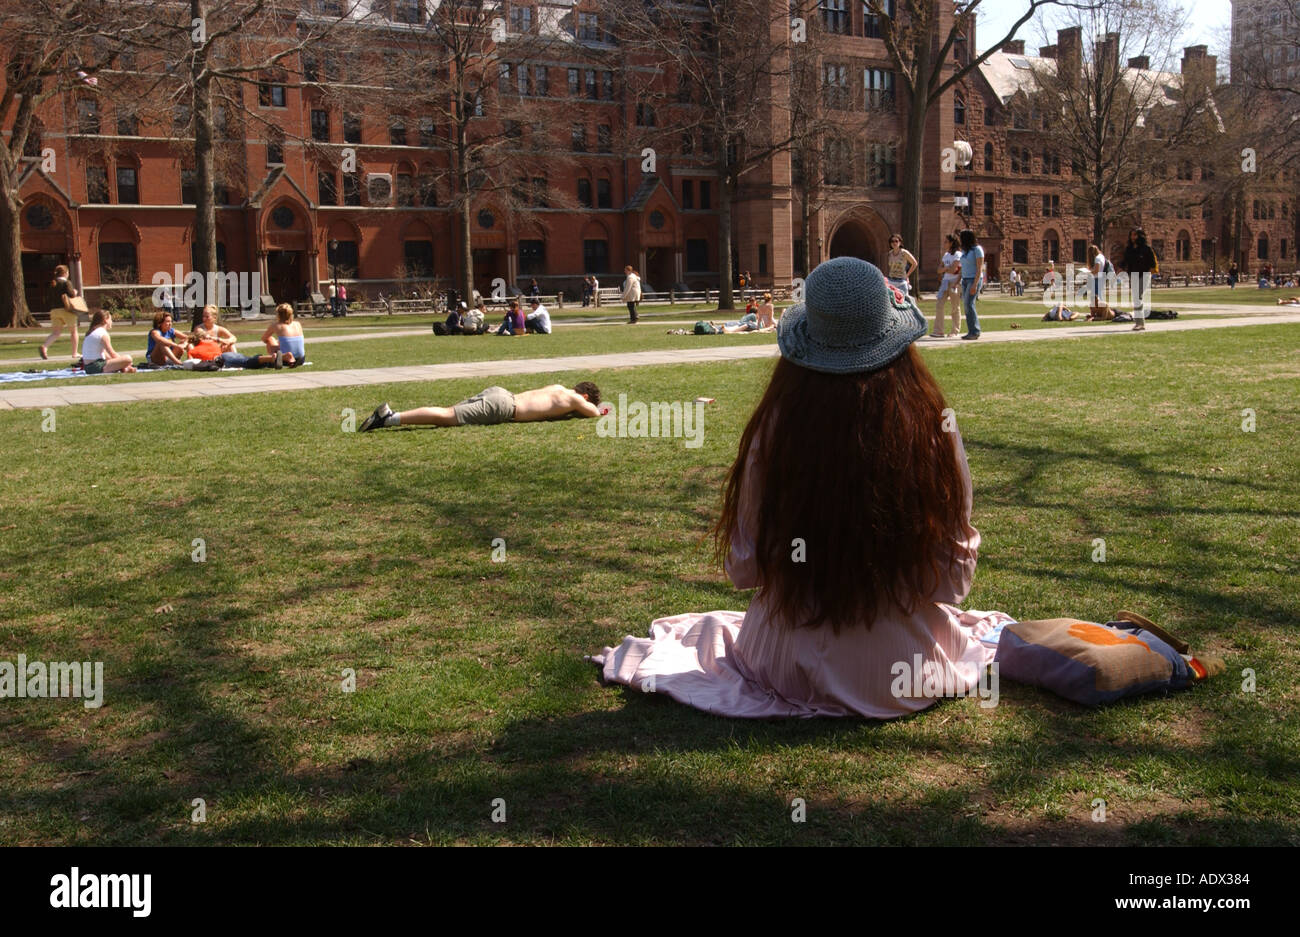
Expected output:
{"points": [[376, 419], [970, 336]]}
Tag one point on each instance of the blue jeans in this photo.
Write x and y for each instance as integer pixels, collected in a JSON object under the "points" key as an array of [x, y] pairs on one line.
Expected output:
{"points": [[968, 303]]}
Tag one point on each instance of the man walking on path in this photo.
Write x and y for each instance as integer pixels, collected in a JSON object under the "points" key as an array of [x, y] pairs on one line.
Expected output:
{"points": [[631, 293]]}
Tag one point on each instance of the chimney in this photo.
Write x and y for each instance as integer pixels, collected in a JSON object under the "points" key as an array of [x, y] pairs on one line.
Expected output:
{"points": [[1047, 52], [1193, 55], [1069, 44], [1108, 52], [1014, 47], [1141, 62]]}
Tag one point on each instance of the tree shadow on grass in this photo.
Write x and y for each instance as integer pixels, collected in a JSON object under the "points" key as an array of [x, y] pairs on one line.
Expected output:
{"points": [[655, 771]]}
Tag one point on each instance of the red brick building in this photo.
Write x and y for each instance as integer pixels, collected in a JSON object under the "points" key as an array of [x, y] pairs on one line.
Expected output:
{"points": [[115, 202]]}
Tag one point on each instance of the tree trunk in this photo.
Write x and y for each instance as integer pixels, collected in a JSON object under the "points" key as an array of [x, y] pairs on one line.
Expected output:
{"points": [[13, 303], [805, 221], [913, 175], [205, 210], [464, 242], [726, 299], [918, 108], [1239, 255]]}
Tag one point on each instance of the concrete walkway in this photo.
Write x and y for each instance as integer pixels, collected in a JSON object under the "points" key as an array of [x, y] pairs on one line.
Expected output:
{"points": [[254, 382]]}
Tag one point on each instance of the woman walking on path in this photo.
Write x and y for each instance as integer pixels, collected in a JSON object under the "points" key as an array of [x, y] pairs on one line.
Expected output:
{"points": [[63, 314], [972, 278], [1097, 278], [901, 265], [1138, 262], [859, 566]]}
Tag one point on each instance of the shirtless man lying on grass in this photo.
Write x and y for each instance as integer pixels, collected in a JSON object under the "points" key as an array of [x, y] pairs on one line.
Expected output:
{"points": [[497, 405]]}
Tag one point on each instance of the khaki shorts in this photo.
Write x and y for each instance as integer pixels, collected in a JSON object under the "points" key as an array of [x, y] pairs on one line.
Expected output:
{"points": [[486, 408], [63, 318]]}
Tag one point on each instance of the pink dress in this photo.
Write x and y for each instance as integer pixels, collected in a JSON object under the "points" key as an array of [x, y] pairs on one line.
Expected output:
{"points": [[747, 665]]}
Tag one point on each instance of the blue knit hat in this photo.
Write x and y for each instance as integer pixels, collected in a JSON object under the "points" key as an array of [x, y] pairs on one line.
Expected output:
{"points": [[851, 320]]}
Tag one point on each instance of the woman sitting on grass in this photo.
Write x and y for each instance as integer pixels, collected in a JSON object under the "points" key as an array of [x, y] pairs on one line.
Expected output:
{"points": [[97, 352], [856, 564], [164, 346], [284, 340], [207, 320]]}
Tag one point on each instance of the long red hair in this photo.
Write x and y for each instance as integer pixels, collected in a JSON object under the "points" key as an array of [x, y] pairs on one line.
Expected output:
{"points": [[859, 467]]}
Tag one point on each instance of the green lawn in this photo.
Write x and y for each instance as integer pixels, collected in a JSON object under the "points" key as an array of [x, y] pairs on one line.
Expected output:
{"points": [[23, 343], [426, 348], [328, 550], [1163, 297]]}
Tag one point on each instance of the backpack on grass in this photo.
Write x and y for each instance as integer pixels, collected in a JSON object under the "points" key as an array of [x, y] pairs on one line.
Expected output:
{"points": [[1092, 663], [706, 328]]}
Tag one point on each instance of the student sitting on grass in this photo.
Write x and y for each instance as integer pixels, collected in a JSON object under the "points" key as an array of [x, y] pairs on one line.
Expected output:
{"points": [[474, 321], [284, 339], [205, 347], [207, 319], [539, 320], [859, 565], [97, 352], [513, 323], [497, 405], [164, 346], [766, 313]]}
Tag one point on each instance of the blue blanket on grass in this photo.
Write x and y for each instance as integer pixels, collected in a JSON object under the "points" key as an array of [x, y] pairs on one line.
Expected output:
{"points": [[10, 377]]}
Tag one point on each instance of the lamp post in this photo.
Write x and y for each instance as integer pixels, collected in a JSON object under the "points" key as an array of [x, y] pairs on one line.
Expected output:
{"points": [[1214, 261], [334, 275], [965, 157]]}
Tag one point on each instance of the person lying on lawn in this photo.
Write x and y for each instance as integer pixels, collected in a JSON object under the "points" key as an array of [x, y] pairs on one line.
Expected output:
{"points": [[205, 346], [497, 405]]}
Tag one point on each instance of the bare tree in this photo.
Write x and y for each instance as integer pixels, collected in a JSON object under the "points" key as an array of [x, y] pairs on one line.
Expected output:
{"points": [[719, 72], [929, 61], [198, 58], [1134, 135], [477, 85], [51, 48]]}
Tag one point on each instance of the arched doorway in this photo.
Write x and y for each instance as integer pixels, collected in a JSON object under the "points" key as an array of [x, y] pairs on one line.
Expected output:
{"points": [[45, 245], [285, 238], [852, 239]]}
